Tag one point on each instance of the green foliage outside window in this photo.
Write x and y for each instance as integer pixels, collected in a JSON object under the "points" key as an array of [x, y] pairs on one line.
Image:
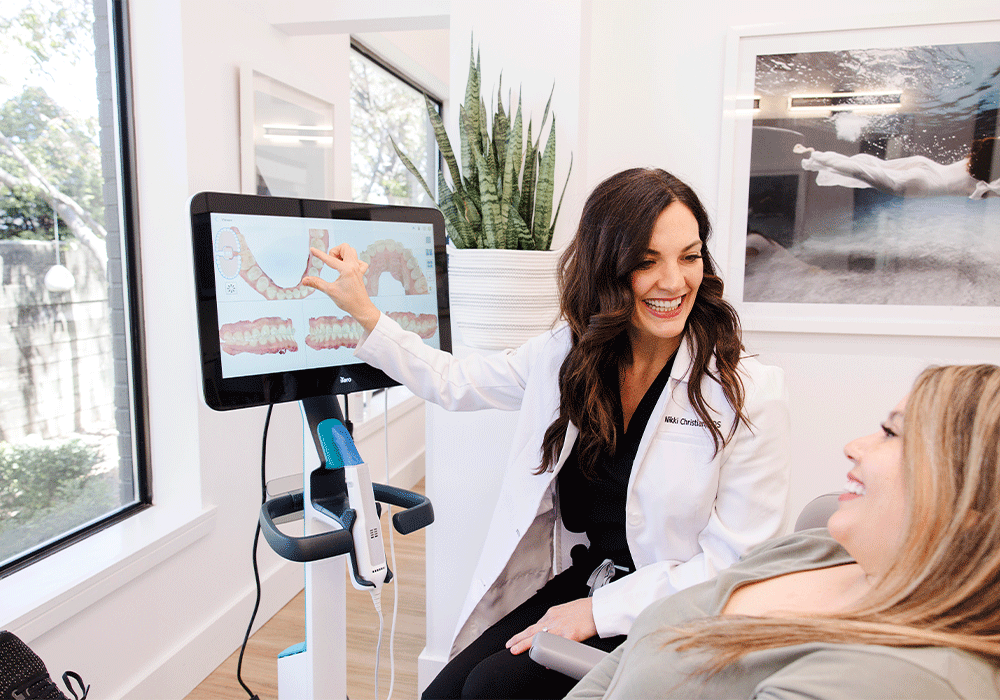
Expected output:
{"points": [[47, 488], [50, 162]]}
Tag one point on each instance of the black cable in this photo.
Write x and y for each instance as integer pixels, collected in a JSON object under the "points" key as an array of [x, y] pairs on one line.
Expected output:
{"points": [[256, 539], [347, 415]]}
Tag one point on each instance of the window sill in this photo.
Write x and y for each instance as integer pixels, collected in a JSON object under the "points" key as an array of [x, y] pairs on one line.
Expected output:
{"points": [[49, 592], [398, 406]]}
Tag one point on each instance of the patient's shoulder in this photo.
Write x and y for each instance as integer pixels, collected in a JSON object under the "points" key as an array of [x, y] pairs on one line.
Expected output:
{"points": [[872, 671], [806, 547]]}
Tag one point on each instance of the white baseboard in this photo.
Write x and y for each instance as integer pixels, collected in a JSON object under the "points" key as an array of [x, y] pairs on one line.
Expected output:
{"points": [[179, 669], [428, 666]]}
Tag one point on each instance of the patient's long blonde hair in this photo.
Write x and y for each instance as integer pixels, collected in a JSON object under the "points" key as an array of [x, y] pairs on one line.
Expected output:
{"points": [[944, 585]]}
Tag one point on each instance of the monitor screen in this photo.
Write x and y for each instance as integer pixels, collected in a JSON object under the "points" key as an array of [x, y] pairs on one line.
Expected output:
{"points": [[265, 337]]}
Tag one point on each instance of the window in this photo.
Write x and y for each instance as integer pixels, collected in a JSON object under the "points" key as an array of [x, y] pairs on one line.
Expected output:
{"points": [[72, 448], [385, 107]]}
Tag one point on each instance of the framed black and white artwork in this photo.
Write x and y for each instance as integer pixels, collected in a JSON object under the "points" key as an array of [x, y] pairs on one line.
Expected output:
{"points": [[861, 177]]}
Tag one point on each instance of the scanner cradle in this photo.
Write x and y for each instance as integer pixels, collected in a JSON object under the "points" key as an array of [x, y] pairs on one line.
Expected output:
{"points": [[329, 497], [419, 513]]}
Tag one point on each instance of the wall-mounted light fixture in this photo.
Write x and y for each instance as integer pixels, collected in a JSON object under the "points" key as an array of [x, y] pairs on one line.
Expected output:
{"points": [[887, 101], [299, 133]]}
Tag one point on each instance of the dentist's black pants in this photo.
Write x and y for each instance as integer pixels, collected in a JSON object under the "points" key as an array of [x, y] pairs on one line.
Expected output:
{"points": [[488, 671]]}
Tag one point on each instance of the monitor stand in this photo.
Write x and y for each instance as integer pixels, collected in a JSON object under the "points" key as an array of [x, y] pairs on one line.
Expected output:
{"points": [[317, 667]]}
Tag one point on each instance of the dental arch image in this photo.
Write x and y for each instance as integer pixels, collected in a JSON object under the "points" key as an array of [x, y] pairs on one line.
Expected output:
{"points": [[275, 335], [231, 245]]}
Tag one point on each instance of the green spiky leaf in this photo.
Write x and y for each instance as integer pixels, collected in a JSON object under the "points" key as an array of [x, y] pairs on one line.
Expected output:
{"points": [[545, 189], [412, 168], [545, 115], [490, 203], [504, 184], [519, 230], [555, 218], [458, 228], [441, 136], [527, 204], [472, 115], [512, 151], [470, 179], [484, 132], [516, 141]]}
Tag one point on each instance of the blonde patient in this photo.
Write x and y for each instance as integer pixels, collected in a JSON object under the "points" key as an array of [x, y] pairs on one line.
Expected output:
{"points": [[898, 598]]}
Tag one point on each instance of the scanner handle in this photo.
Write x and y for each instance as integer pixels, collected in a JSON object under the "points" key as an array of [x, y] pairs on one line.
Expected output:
{"points": [[418, 513]]}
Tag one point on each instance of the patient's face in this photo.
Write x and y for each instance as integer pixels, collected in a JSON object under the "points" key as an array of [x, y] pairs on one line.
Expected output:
{"points": [[869, 521]]}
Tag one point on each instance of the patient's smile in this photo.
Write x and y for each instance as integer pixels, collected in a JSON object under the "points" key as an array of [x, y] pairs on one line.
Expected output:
{"points": [[852, 489]]}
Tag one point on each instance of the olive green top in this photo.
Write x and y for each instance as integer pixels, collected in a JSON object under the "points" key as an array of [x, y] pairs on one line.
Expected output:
{"points": [[643, 668]]}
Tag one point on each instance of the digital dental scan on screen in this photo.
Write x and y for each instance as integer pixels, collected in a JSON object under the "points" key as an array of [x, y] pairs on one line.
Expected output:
{"points": [[269, 321], [262, 321]]}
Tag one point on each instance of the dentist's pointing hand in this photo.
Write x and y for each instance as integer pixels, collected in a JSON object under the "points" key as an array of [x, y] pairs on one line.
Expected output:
{"points": [[348, 290]]}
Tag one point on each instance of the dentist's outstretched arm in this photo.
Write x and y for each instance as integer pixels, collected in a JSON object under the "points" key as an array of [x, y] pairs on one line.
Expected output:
{"points": [[348, 290]]}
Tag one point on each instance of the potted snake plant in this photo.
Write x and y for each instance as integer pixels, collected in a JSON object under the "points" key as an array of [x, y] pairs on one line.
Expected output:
{"points": [[499, 215]]}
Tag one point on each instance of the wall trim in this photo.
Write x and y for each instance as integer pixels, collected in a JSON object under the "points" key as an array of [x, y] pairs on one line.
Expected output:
{"points": [[180, 668]]}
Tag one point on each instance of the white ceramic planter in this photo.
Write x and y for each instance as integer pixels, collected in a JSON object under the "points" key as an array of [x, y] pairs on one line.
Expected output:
{"points": [[501, 298]]}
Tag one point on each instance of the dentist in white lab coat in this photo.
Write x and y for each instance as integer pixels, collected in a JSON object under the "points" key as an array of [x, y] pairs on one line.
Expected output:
{"points": [[644, 433]]}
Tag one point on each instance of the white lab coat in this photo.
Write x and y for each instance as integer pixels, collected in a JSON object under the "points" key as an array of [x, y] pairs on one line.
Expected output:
{"points": [[689, 513]]}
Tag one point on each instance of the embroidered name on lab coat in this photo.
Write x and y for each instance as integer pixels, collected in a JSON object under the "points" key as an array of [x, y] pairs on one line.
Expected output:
{"points": [[689, 421]]}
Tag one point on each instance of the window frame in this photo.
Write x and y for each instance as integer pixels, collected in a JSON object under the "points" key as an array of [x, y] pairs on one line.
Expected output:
{"points": [[374, 57], [126, 308]]}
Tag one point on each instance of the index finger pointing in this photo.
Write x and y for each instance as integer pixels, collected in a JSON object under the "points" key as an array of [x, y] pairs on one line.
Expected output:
{"points": [[333, 261]]}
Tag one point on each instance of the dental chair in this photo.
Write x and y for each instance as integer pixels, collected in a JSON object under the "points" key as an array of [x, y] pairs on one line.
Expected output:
{"points": [[575, 659]]}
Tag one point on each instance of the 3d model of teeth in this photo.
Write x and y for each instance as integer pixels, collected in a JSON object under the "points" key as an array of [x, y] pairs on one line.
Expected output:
{"points": [[264, 285], [423, 325], [265, 336], [330, 333], [389, 256]]}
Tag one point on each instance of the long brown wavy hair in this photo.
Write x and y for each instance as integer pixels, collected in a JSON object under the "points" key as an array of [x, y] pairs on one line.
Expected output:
{"points": [[941, 589], [598, 302]]}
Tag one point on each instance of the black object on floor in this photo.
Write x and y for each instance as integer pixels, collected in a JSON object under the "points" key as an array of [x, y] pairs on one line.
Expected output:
{"points": [[23, 675]]}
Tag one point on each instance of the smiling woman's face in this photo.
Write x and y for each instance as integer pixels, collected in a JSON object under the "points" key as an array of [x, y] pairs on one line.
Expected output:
{"points": [[869, 521], [666, 283]]}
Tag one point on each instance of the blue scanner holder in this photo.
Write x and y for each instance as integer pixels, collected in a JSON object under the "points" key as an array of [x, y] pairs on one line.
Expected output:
{"points": [[329, 494], [306, 669]]}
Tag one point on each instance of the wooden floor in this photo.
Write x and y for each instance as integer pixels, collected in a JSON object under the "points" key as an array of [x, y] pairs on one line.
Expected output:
{"points": [[286, 628]]}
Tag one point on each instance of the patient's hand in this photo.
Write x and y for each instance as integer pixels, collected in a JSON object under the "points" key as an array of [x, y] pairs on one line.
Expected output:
{"points": [[573, 620]]}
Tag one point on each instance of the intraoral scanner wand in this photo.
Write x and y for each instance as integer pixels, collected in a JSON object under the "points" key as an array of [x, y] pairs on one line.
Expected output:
{"points": [[368, 555]]}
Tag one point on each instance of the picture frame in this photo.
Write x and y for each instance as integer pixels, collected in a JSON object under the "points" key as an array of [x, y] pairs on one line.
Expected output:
{"points": [[286, 139], [802, 248]]}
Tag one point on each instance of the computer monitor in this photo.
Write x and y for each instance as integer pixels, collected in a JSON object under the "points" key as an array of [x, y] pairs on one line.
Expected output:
{"points": [[265, 337]]}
